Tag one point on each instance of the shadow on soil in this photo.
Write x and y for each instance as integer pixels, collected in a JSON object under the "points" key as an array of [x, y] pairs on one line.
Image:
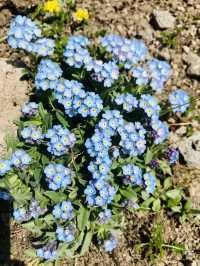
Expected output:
{"points": [[5, 236]]}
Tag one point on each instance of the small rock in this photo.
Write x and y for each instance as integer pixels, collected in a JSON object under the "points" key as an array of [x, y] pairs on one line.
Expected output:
{"points": [[193, 60], [165, 54], [10, 87], [5, 16], [22, 4], [145, 30], [181, 131], [164, 19], [190, 150]]}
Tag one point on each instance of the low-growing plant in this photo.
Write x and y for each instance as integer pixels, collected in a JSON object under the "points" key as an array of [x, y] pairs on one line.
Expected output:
{"points": [[156, 247], [92, 141]]}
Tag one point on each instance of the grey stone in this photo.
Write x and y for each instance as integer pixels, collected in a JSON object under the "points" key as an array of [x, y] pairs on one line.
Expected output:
{"points": [[164, 19], [145, 30], [193, 60], [12, 95], [190, 150]]}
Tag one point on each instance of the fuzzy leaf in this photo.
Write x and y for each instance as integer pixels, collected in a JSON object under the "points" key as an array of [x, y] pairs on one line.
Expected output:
{"points": [[83, 218], [86, 243]]}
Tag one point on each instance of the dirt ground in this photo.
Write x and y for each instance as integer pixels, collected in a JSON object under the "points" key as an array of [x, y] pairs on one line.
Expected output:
{"points": [[128, 18]]}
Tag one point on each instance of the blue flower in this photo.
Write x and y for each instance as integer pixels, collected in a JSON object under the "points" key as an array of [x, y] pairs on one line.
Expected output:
{"points": [[5, 167], [76, 101], [32, 135], [63, 211], [75, 52], [4, 195], [172, 155], [160, 71], [141, 75], [125, 51], [58, 176], [107, 73], [61, 140], [30, 109], [133, 174], [128, 101], [150, 183], [47, 75], [48, 252], [160, 130], [110, 244], [179, 100], [105, 216], [43, 47], [132, 138], [150, 105], [66, 234], [20, 159], [22, 32]]}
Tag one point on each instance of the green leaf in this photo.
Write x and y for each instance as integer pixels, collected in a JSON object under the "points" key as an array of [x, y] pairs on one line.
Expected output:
{"points": [[167, 183], [156, 205], [62, 120], [147, 202], [174, 193], [32, 227], [41, 199], [30, 253], [55, 196], [128, 193], [86, 243], [148, 156], [165, 167], [176, 209], [83, 218]]}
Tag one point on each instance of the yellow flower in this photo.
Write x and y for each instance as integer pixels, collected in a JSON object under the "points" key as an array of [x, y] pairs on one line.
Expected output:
{"points": [[52, 6], [81, 14]]}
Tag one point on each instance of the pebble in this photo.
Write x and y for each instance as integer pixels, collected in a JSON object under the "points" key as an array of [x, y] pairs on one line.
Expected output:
{"points": [[164, 19]]}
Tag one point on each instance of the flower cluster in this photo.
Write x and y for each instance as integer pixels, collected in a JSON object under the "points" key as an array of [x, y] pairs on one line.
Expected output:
{"points": [[61, 140], [105, 216], [5, 167], [110, 244], [63, 211], [34, 211], [128, 101], [25, 34], [66, 234], [150, 105], [75, 100], [99, 193], [75, 51], [150, 182], [32, 135], [58, 176], [132, 174], [133, 140], [107, 73], [20, 159], [119, 150], [47, 75], [160, 130], [179, 101], [172, 155], [125, 51], [48, 252], [160, 71], [30, 109]]}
